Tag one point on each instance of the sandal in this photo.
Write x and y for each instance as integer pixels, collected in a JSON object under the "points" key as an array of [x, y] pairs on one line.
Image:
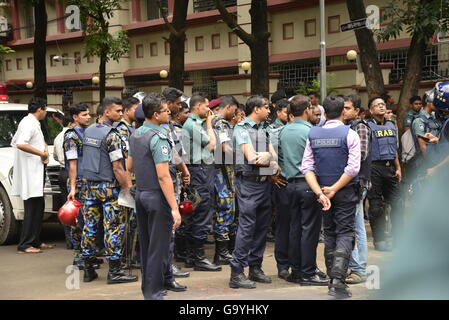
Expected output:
{"points": [[355, 278], [44, 246], [30, 250]]}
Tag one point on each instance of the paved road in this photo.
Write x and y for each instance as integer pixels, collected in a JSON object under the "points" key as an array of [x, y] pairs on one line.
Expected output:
{"points": [[42, 276]]}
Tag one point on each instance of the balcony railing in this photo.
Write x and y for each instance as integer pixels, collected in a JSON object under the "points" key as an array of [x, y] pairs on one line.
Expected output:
{"points": [[206, 5]]}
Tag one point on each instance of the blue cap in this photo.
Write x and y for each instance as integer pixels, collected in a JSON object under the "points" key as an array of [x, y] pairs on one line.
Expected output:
{"points": [[139, 113]]}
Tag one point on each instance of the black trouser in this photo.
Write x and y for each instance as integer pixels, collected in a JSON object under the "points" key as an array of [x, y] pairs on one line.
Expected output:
{"points": [[254, 199], [155, 227], [340, 218], [32, 223], [202, 179], [385, 187], [298, 224]]}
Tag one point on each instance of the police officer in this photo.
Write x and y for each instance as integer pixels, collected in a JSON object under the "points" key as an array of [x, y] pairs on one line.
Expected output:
{"points": [[199, 142], [224, 180], [73, 155], [385, 174], [331, 162], [157, 210], [297, 222], [103, 169], [254, 163], [415, 107]]}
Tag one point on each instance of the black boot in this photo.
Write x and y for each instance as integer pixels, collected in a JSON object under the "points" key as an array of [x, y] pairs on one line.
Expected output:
{"points": [[337, 285], [222, 255], [180, 248], [239, 280], [80, 264], [328, 260], [190, 243], [117, 275], [89, 271], [256, 274], [200, 262]]}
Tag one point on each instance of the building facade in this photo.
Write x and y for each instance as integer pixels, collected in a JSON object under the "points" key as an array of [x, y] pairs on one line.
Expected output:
{"points": [[213, 53]]}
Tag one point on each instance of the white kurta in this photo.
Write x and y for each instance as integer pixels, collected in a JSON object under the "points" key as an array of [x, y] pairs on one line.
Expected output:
{"points": [[28, 175]]}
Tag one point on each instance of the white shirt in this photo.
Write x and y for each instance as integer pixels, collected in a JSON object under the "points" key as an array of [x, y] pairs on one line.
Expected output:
{"points": [[58, 150], [28, 175]]}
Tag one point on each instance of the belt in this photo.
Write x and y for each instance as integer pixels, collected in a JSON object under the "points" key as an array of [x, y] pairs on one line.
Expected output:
{"points": [[253, 178], [386, 163]]}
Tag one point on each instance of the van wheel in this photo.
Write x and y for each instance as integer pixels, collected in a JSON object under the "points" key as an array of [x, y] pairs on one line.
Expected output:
{"points": [[9, 226]]}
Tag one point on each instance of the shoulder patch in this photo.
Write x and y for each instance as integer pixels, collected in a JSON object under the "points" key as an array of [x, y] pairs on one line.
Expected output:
{"points": [[164, 150]]}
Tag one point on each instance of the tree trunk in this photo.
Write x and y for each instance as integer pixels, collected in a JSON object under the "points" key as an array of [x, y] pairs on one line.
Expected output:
{"points": [[412, 76], [40, 49], [368, 51], [259, 49], [177, 43], [102, 71]]}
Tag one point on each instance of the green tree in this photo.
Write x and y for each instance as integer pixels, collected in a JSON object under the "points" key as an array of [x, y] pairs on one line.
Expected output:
{"points": [[95, 20], [421, 19], [315, 86]]}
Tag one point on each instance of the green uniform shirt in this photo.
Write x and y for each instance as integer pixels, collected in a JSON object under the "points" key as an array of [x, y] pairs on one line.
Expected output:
{"points": [[418, 124], [160, 146], [409, 117], [195, 139], [292, 143]]}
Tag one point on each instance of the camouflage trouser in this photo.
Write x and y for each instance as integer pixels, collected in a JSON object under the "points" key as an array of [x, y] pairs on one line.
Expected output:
{"points": [[76, 232], [102, 201], [225, 205]]}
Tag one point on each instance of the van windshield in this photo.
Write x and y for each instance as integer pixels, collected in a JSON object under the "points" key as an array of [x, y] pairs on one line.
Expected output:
{"points": [[9, 121]]}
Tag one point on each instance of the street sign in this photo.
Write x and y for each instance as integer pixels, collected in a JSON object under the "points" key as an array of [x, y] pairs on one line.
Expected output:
{"points": [[356, 24]]}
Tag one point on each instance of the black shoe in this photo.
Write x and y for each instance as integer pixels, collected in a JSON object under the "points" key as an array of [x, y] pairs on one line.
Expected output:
{"points": [[222, 255], [257, 274], [200, 262], [164, 292], [382, 246], [294, 278], [321, 274], [89, 271], [174, 286], [178, 273], [239, 280], [339, 289], [284, 274], [117, 275], [313, 281]]}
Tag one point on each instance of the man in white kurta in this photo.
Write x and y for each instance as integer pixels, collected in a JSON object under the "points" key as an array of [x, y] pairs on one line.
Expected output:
{"points": [[30, 154]]}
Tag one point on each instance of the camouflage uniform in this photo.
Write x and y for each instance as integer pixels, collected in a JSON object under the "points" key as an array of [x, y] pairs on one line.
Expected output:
{"points": [[102, 201], [224, 187]]}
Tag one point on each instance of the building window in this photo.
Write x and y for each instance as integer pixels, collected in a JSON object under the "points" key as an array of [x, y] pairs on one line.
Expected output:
{"points": [[27, 16], [77, 56], [153, 49], [167, 48], [30, 62], [333, 24], [199, 43], [8, 65], [139, 51], [216, 41], [90, 59], [19, 64], [65, 61], [52, 62], [233, 39], [310, 28], [151, 8], [287, 31]]}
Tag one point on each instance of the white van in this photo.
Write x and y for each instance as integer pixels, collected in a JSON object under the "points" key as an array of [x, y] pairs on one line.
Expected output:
{"points": [[11, 208]]}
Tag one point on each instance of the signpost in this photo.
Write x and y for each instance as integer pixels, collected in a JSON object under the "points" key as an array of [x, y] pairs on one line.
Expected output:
{"points": [[352, 25]]}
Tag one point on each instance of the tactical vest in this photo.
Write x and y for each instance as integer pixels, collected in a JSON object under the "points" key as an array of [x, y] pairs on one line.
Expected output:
{"points": [[143, 162], [260, 141], [365, 166], [177, 144], [330, 151], [79, 167], [97, 165], [384, 143]]}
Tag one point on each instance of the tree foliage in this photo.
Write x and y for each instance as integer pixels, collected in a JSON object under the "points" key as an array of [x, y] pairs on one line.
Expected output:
{"points": [[315, 86]]}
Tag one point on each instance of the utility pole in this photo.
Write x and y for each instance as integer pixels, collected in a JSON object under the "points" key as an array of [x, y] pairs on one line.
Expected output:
{"points": [[322, 51]]}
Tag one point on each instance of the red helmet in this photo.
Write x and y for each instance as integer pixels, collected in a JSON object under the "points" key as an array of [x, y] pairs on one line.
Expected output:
{"points": [[68, 212], [186, 208]]}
